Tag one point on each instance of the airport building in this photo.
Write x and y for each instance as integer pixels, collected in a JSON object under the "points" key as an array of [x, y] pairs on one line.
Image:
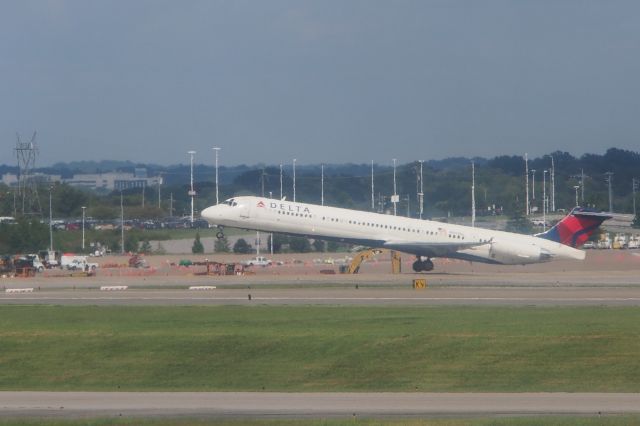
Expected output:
{"points": [[109, 181]]}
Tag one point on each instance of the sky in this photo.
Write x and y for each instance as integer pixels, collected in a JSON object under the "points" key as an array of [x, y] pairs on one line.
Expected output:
{"points": [[331, 81]]}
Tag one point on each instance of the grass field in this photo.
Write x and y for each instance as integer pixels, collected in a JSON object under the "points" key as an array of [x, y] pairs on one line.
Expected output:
{"points": [[401, 349]]}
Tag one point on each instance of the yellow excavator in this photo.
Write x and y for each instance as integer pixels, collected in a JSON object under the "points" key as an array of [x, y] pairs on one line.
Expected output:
{"points": [[354, 267]]}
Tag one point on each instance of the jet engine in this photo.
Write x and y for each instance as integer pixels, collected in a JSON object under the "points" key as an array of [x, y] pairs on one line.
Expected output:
{"points": [[509, 253]]}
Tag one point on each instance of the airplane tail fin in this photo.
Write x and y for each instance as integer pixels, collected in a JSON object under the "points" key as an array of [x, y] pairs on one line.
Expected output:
{"points": [[576, 227]]}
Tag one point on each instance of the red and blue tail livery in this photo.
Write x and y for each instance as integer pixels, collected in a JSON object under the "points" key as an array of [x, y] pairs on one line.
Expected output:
{"points": [[575, 228]]}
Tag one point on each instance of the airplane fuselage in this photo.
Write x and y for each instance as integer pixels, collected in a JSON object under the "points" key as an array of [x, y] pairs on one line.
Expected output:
{"points": [[419, 237]]}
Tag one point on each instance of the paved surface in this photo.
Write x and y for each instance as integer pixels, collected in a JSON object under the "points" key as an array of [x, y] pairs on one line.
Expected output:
{"points": [[242, 404], [488, 296]]}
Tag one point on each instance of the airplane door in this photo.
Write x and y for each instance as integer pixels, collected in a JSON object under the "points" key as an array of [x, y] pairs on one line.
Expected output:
{"points": [[245, 212]]}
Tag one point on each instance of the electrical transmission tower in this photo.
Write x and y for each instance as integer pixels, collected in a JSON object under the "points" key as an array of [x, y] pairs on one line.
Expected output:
{"points": [[26, 153]]}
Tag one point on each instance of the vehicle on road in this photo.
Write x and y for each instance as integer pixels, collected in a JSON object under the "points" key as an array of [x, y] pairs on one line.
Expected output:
{"points": [[257, 261], [77, 263]]}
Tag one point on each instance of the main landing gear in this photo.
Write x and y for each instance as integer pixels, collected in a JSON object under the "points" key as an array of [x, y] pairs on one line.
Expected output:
{"points": [[422, 265]]}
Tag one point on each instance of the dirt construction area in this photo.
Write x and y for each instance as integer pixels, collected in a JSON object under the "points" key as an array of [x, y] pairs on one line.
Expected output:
{"points": [[602, 268]]}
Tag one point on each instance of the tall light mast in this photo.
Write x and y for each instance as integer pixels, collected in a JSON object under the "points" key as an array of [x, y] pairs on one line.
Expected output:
{"points": [[280, 181], [553, 185], [322, 184], [51, 220], [159, 184], [533, 184], [394, 199], [634, 188], [526, 186], [421, 193], [609, 178], [83, 216], [294, 179], [192, 193], [544, 200], [121, 224], [473, 194], [372, 192], [217, 150]]}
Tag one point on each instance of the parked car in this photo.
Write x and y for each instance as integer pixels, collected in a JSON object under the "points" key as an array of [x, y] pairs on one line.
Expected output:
{"points": [[77, 263], [257, 261]]}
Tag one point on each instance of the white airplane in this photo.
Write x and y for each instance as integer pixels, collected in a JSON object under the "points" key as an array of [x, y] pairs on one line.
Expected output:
{"points": [[425, 239]]}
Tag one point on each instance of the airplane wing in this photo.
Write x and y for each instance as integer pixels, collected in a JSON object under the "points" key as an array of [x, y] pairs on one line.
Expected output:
{"points": [[420, 248]]}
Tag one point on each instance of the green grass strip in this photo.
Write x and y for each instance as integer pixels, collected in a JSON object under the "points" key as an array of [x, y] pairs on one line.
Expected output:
{"points": [[399, 349]]}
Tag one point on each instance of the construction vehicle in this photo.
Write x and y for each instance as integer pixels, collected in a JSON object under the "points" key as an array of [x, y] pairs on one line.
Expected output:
{"points": [[137, 261], [354, 266], [218, 268], [6, 266]]}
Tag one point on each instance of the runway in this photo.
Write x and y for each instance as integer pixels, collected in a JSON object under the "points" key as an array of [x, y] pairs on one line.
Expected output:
{"points": [[267, 405], [481, 296]]}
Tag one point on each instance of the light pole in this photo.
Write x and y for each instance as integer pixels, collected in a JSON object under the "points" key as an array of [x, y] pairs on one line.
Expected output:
{"points": [[294, 180], [373, 207], [121, 224], [526, 183], [394, 200], [553, 185], [281, 182], [217, 150], [50, 221], [159, 197], [609, 178], [533, 184], [473, 194], [192, 193], [544, 200], [576, 187], [322, 185], [634, 188], [582, 185], [271, 234], [83, 213], [421, 193]]}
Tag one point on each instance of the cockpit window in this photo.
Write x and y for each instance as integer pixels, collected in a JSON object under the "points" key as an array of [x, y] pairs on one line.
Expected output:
{"points": [[231, 202]]}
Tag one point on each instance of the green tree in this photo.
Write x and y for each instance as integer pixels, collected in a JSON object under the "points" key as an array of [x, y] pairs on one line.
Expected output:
{"points": [[131, 243], [319, 245], [278, 241], [28, 235], [67, 201], [519, 224], [241, 246], [334, 246], [197, 247], [299, 245], [145, 246], [221, 245]]}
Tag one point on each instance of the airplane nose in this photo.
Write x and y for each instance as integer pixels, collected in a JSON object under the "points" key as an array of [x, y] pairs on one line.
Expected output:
{"points": [[209, 214]]}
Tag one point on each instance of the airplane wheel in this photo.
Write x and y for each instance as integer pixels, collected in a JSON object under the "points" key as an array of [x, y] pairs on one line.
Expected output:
{"points": [[427, 265], [422, 265]]}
